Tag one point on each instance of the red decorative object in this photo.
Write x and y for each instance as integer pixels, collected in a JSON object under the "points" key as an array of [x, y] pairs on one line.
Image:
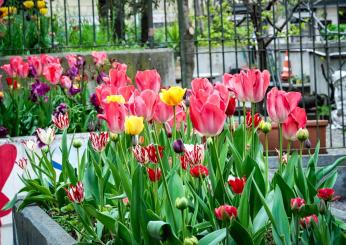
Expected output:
{"points": [[8, 154]]}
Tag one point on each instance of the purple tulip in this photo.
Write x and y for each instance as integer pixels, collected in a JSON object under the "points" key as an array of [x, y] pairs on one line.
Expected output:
{"points": [[38, 89], [178, 146], [73, 90], [3, 132]]}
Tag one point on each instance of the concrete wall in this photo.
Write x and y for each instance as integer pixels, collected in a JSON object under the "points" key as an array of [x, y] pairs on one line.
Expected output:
{"points": [[159, 59]]}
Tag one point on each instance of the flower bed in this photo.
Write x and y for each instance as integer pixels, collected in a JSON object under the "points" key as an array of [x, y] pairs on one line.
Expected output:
{"points": [[169, 166]]}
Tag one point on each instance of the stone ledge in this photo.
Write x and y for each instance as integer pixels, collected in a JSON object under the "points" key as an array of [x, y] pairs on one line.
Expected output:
{"points": [[32, 226]]}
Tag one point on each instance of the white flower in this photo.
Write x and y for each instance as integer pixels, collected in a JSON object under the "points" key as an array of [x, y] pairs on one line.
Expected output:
{"points": [[46, 136], [30, 144]]}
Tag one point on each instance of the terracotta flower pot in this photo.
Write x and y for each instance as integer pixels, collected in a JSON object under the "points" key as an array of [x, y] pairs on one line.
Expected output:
{"points": [[317, 131]]}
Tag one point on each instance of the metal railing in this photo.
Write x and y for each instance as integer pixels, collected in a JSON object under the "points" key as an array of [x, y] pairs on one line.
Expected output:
{"points": [[209, 39]]}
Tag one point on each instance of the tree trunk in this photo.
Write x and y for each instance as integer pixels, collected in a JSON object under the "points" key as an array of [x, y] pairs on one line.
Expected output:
{"points": [[119, 23], [103, 8], [189, 44]]}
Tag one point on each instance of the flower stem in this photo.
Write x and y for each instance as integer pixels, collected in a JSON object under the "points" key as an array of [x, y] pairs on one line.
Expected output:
{"points": [[184, 225], [288, 150], [253, 107], [266, 163], [244, 130], [174, 124], [219, 167], [280, 157]]}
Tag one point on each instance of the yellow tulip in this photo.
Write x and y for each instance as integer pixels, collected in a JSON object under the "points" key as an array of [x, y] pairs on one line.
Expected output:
{"points": [[5, 11], [172, 96], [1, 95], [115, 98], [41, 4], [43, 11], [28, 4], [134, 125]]}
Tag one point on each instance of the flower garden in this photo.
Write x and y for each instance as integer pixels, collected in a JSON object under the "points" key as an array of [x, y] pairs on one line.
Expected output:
{"points": [[165, 165]]}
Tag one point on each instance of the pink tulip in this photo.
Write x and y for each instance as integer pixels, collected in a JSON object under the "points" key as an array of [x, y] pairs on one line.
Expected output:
{"points": [[148, 79], [65, 82], [143, 105], [15, 61], [248, 86], [180, 119], [48, 59], [9, 71], [281, 103], [127, 91], [104, 90], [1, 2], [162, 112], [36, 63], [117, 75], [201, 88], [23, 69], [52, 72], [296, 120], [114, 115], [71, 60], [99, 57], [221, 90], [207, 118]]}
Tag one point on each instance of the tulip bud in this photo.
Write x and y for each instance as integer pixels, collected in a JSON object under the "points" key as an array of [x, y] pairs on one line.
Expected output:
{"points": [[322, 207], [190, 241], [178, 146], [302, 134], [77, 143], [113, 136], [181, 203], [265, 127], [307, 144]]}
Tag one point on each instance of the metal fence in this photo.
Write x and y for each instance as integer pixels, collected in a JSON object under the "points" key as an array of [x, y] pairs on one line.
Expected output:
{"points": [[209, 39]]}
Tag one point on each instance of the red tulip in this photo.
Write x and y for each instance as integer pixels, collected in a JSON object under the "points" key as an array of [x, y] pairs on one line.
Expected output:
{"points": [[207, 117], [194, 154], [199, 171], [52, 72], [143, 105], [154, 175], [326, 194], [306, 221], [232, 104], [162, 112], [237, 184], [280, 104], [297, 203], [75, 193], [295, 120], [117, 75], [11, 82], [248, 86], [257, 120], [141, 154], [99, 141], [225, 212], [152, 153], [148, 79], [114, 115]]}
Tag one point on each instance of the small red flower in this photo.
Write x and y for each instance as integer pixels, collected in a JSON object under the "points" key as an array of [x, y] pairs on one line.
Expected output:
{"points": [[225, 212], [237, 184], [126, 201], [306, 221], [297, 203], [199, 171], [153, 156], [99, 141], [326, 194], [12, 82], [75, 193], [154, 174], [257, 120], [22, 163], [231, 106], [61, 120], [141, 154]]}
